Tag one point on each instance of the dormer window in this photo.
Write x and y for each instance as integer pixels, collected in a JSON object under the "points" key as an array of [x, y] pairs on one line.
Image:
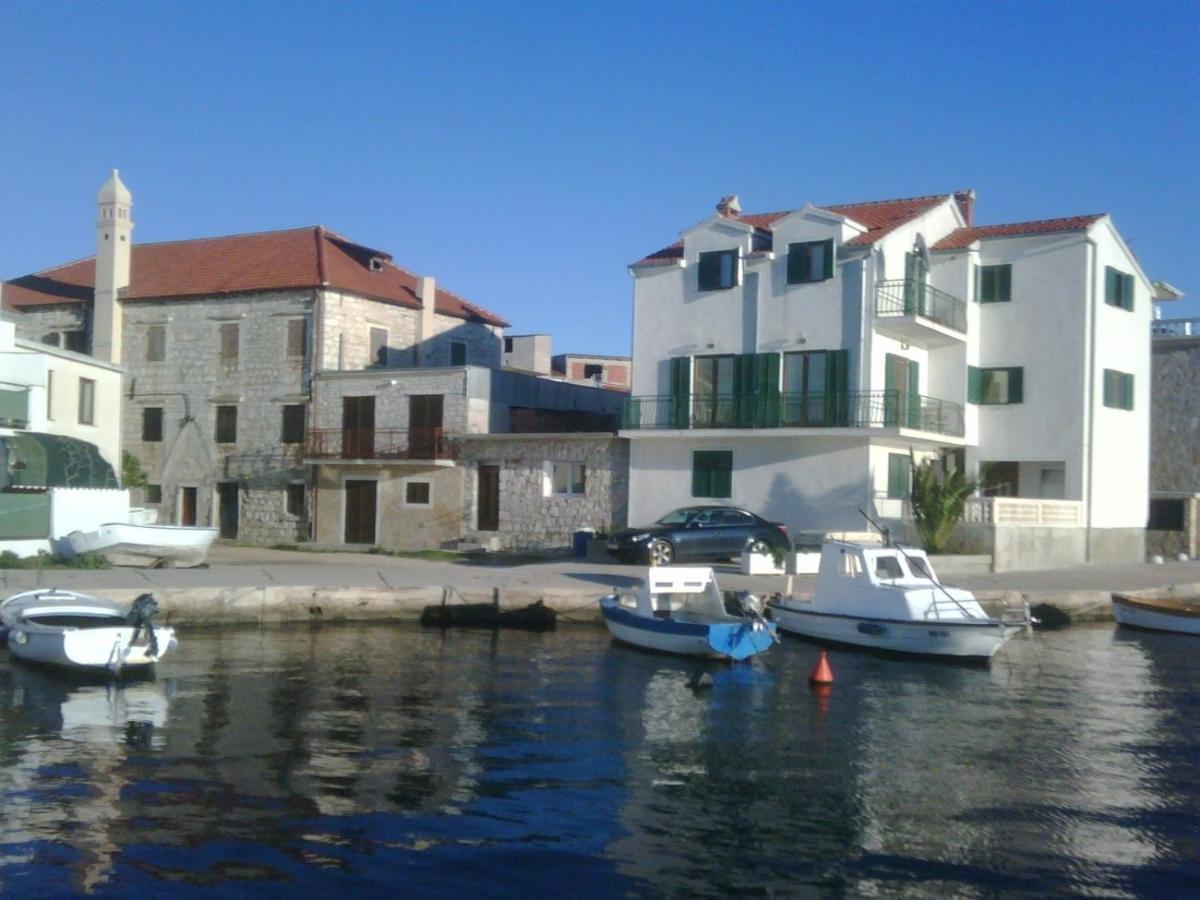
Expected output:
{"points": [[810, 261], [375, 264], [718, 270]]}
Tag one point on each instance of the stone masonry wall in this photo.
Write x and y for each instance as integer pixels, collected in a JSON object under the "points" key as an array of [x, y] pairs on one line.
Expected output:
{"points": [[1175, 415], [391, 400], [528, 518], [39, 321]]}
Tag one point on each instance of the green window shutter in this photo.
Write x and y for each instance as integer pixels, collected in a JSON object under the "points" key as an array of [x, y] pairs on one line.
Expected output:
{"points": [[1110, 392], [974, 385], [1016, 385], [1127, 292], [681, 390], [899, 475], [1004, 283], [766, 390], [827, 261], [743, 390], [1127, 392], [795, 263], [1112, 286], [709, 272], [712, 473], [837, 373], [979, 284]]}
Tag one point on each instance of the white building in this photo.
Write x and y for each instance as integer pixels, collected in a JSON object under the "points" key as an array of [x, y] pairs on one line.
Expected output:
{"points": [[791, 362]]}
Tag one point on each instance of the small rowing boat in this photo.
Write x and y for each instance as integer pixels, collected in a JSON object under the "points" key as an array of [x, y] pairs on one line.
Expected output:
{"points": [[1158, 613]]}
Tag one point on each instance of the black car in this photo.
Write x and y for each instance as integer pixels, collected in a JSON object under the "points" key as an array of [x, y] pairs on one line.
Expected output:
{"points": [[698, 532]]}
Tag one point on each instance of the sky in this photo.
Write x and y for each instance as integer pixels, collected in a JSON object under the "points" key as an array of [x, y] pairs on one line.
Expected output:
{"points": [[525, 153]]}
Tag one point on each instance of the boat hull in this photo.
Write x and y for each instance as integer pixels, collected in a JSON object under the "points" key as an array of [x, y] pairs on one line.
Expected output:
{"points": [[109, 649], [735, 641], [963, 639], [1156, 616], [129, 544]]}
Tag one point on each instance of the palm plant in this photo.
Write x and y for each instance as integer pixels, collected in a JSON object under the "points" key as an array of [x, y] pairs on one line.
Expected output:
{"points": [[937, 503]]}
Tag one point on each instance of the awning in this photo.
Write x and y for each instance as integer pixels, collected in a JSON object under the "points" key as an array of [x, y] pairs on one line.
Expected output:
{"points": [[52, 460]]}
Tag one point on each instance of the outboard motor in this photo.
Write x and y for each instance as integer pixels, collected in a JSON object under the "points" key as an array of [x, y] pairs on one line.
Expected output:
{"points": [[144, 608]]}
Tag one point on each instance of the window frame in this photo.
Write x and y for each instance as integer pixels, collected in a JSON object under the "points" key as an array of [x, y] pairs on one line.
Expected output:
{"points": [[1118, 288], [156, 343], [406, 502], [291, 436], [997, 277], [152, 424], [291, 339], [377, 356], [230, 347], [575, 479], [978, 378], [458, 348], [152, 492], [710, 271], [799, 265], [1117, 389], [711, 481], [87, 401], [229, 424], [78, 337], [289, 492]]}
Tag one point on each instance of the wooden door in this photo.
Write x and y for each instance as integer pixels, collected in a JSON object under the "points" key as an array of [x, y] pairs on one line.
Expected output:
{"points": [[359, 506], [424, 426], [227, 502], [358, 427], [901, 385], [489, 498], [187, 506]]}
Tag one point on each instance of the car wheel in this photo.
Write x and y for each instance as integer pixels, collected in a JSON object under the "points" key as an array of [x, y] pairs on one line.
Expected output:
{"points": [[758, 545], [661, 553]]}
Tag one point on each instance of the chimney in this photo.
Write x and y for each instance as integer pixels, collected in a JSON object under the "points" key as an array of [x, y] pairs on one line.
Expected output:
{"points": [[966, 204], [114, 228], [730, 207], [427, 294]]}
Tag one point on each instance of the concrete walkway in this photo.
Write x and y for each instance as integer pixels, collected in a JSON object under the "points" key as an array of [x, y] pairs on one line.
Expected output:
{"points": [[247, 584]]}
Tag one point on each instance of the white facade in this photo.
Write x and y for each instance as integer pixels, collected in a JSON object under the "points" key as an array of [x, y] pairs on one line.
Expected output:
{"points": [[921, 355]]}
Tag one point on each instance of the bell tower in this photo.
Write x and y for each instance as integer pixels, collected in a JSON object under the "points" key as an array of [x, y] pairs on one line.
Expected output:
{"points": [[114, 228]]}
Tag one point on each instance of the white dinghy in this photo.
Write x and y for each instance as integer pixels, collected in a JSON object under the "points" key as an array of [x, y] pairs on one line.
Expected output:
{"points": [[888, 598], [79, 631], [132, 544]]}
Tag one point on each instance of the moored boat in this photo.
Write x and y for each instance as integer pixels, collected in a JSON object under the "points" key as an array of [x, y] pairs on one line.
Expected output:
{"points": [[1158, 613], [681, 610], [129, 543], [886, 597], [74, 630]]}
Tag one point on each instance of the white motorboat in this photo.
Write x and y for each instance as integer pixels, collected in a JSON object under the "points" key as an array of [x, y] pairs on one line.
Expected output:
{"points": [[1157, 613], [681, 610], [128, 543], [888, 598], [79, 631]]}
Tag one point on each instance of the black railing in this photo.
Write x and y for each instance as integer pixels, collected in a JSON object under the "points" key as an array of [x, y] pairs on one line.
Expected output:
{"points": [[908, 297], [854, 409], [377, 443]]}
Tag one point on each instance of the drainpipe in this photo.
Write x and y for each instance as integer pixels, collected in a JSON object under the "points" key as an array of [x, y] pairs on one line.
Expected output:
{"points": [[1090, 393]]}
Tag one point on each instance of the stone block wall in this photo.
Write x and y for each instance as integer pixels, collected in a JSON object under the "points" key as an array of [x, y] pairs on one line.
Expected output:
{"points": [[391, 400], [37, 322], [1175, 415]]}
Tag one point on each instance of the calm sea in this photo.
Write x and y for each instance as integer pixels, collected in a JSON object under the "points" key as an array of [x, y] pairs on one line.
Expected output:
{"points": [[386, 759]]}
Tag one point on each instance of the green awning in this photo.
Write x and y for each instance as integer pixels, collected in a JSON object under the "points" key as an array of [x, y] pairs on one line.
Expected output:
{"points": [[52, 460]]}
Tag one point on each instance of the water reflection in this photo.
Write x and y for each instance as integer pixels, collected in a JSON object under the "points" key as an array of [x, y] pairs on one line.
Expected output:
{"points": [[375, 757]]}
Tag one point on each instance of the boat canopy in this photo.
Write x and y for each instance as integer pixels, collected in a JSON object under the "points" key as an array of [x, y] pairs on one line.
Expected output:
{"points": [[37, 460]]}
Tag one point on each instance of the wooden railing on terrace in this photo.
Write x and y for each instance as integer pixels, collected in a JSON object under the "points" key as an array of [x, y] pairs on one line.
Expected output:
{"points": [[378, 443]]}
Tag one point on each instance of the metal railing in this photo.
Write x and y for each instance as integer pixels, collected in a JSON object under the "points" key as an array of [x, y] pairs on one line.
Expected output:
{"points": [[1175, 327], [377, 443], [853, 409], [908, 297]]}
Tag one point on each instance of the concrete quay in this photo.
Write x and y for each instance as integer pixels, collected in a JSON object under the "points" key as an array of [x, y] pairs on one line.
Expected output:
{"points": [[249, 585]]}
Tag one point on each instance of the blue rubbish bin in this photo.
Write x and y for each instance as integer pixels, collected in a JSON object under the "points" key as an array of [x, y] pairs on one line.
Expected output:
{"points": [[579, 542]]}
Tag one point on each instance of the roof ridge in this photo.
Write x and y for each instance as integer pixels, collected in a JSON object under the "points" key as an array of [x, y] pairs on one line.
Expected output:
{"points": [[1035, 221], [891, 200]]}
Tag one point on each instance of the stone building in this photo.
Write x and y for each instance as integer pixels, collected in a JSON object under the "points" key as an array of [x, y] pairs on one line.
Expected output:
{"points": [[250, 358], [1174, 436]]}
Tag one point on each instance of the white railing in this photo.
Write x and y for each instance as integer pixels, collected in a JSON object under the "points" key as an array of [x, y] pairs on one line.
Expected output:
{"points": [[897, 508], [1175, 327], [1023, 511]]}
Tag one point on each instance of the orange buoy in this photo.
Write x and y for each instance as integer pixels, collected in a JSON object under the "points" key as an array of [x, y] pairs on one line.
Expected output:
{"points": [[821, 673]]}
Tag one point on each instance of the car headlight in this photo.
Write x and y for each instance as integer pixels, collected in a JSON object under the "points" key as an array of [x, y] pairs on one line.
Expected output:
{"points": [[639, 537]]}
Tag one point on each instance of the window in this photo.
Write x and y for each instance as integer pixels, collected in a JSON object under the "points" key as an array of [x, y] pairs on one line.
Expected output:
{"points": [[152, 424], [804, 387], [156, 343], [568, 478], [995, 284], [1118, 389], [229, 343], [295, 499], [811, 261], [51, 338], [418, 493], [293, 424], [851, 566], [297, 337], [154, 493], [458, 353], [712, 473], [50, 395], [995, 387], [226, 425], [87, 401], [1166, 515], [1118, 288], [712, 390], [508, 345], [899, 476], [378, 349], [75, 341], [718, 270]]}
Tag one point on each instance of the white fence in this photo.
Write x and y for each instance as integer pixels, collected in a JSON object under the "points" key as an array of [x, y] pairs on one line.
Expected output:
{"points": [[1024, 511]]}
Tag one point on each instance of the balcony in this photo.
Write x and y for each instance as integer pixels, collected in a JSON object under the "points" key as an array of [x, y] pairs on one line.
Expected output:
{"points": [[916, 313], [855, 409], [377, 444], [14, 408], [1175, 328]]}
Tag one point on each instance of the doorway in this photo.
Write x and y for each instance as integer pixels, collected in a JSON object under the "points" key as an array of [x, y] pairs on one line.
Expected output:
{"points": [[358, 427], [227, 503], [489, 498], [359, 508], [187, 506], [901, 392], [425, 426]]}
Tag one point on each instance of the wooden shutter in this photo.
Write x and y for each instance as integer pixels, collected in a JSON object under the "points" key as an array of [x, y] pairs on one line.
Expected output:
{"points": [[837, 394], [1004, 283], [766, 390], [743, 390], [1016, 385], [1127, 292], [979, 284], [899, 475], [709, 272], [912, 403], [1112, 286], [795, 263], [974, 385], [827, 263], [681, 390], [1127, 392]]}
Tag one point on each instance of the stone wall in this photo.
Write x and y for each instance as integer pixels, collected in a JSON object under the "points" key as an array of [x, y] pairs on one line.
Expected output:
{"points": [[41, 320], [400, 525], [529, 517], [391, 400], [1175, 415]]}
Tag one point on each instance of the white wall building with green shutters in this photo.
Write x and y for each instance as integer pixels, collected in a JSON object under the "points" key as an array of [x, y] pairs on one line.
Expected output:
{"points": [[795, 363]]}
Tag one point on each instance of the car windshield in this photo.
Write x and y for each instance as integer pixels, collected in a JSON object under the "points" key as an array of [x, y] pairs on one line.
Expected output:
{"points": [[676, 517]]}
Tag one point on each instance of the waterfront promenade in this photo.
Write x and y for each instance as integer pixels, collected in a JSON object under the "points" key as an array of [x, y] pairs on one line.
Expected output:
{"points": [[251, 585]]}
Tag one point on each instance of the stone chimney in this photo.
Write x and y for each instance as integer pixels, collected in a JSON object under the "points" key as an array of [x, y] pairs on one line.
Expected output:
{"points": [[966, 204], [730, 207], [427, 294], [114, 228]]}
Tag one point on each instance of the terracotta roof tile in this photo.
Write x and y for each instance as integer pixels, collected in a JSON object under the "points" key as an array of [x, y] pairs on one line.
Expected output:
{"points": [[964, 237], [268, 261]]}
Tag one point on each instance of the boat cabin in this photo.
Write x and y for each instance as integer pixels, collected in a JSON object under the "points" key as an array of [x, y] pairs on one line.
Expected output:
{"points": [[676, 592]]}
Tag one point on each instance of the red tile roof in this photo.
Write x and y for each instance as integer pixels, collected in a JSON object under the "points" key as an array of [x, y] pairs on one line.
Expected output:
{"points": [[964, 237], [269, 261], [879, 216]]}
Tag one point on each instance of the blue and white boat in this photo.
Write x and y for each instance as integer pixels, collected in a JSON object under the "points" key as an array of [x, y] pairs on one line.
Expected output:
{"points": [[681, 610]]}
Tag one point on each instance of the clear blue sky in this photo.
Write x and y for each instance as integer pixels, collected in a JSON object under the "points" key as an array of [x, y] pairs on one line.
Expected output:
{"points": [[525, 153]]}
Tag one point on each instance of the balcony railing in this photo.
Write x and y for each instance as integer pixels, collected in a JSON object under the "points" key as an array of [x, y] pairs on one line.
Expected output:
{"points": [[908, 297], [1175, 327], [377, 443], [855, 409]]}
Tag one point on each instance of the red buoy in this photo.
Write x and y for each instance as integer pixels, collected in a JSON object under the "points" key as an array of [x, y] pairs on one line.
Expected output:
{"points": [[821, 673]]}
